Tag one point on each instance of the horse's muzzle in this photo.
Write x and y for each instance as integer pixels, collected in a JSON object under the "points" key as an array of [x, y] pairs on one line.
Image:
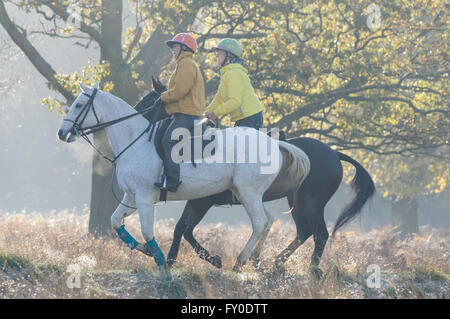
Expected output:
{"points": [[68, 136]]}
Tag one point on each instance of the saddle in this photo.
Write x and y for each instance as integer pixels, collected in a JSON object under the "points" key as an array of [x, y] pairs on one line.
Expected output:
{"points": [[204, 126], [224, 198], [158, 134]]}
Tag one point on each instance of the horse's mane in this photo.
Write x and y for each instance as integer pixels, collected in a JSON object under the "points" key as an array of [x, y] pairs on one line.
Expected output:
{"points": [[116, 98]]}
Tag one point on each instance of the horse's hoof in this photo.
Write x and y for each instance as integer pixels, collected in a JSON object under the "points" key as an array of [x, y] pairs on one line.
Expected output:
{"points": [[170, 262], [164, 273], [144, 249], [255, 262], [280, 259], [279, 262], [278, 269], [216, 261], [237, 267], [316, 272]]}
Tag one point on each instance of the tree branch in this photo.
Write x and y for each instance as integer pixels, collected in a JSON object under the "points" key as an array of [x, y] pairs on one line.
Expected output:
{"points": [[32, 54], [137, 36], [64, 15]]}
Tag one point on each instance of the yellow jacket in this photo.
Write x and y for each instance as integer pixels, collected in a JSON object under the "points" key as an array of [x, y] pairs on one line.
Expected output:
{"points": [[235, 95], [186, 90]]}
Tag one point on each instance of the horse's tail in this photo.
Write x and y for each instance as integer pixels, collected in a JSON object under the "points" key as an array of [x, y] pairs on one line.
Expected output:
{"points": [[364, 188], [296, 166]]}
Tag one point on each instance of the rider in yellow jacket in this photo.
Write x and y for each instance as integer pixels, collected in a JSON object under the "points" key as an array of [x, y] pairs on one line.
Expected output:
{"points": [[235, 95]]}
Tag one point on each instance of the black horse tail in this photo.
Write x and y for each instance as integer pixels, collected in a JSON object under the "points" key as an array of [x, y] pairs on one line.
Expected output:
{"points": [[364, 188]]}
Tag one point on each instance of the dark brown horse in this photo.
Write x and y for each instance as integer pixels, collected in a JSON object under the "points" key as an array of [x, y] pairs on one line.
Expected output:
{"points": [[317, 189], [321, 183]]}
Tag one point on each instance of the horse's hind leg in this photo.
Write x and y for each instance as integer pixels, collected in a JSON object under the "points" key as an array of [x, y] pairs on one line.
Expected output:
{"points": [[308, 216], [255, 210], [304, 205], [300, 238], [320, 239], [256, 253]]}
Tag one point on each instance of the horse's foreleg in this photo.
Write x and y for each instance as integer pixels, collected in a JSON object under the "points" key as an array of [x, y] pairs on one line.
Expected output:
{"points": [[193, 213], [146, 211], [117, 218], [285, 254], [216, 261], [200, 207], [320, 240], [178, 232]]}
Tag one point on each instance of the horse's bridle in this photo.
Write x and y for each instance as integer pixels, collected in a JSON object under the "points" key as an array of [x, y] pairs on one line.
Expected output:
{"points": [[76, 128], [84, 132]]}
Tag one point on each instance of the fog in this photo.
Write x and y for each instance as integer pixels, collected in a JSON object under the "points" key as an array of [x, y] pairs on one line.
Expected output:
{"points": [[40, 173]]}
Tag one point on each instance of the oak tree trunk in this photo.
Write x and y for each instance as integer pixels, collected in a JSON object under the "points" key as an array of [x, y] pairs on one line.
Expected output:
{"points": [[405, 216]]}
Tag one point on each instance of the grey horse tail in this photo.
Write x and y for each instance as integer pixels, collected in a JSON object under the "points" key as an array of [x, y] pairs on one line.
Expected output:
{"points": [[298, 166]]}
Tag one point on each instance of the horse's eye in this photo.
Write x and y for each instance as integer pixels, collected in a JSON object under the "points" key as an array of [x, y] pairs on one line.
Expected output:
{"points": [[78, 105]]}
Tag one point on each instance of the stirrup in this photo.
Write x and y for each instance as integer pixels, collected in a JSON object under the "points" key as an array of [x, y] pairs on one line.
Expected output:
{"points": [[234, 200], [163, 187], [173, 188], [160, 185]]}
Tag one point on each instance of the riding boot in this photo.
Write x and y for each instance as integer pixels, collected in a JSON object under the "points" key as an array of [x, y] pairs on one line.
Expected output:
{"points": [[170, 180], [172, 175], [172, 169]]}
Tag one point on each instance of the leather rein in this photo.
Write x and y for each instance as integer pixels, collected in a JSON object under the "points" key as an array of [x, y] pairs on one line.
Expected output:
{"points": [[85, 131]]}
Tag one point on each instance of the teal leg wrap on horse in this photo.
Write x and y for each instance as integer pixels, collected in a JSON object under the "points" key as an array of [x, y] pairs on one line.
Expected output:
{"points": [[157, 253], [126, 237]]}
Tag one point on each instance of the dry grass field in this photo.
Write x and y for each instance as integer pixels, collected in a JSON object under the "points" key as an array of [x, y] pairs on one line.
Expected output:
{"points": [[37, 254]]}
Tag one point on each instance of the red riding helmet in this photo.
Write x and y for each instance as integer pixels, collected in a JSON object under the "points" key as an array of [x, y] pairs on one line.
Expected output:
{"points": [[183, 38]]}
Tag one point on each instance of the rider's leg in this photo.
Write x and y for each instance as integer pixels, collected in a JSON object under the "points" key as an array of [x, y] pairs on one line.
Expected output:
{"points": [[255, 121], [172, 169]]}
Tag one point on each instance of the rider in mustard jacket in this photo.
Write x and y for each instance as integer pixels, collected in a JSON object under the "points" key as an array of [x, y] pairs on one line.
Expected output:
{"points": [[235, 95], [184, 101]]}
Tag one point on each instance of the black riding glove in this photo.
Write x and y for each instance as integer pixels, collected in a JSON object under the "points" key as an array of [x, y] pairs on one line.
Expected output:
{"points": [[159, 103], [160, 110]]}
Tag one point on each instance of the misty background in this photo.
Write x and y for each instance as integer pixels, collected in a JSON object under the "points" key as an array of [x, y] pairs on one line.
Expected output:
{"points": [[40, 173]]}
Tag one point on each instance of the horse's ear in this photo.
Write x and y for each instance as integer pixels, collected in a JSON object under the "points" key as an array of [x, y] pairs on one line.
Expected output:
{"points": [[84, 88], [161, 87], [95, 86], [155, 84]]}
